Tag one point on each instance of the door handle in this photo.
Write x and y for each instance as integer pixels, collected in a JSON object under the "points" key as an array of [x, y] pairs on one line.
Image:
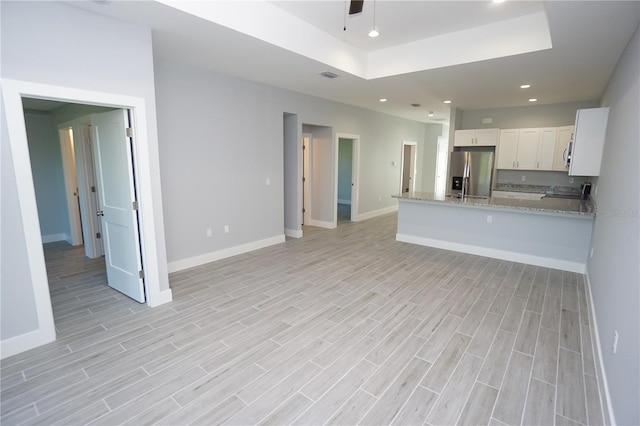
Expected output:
{"points": [[100, 213]]}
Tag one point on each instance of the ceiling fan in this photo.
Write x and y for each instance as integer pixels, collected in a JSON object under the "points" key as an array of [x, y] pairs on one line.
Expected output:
{"points": [[355, 7]]}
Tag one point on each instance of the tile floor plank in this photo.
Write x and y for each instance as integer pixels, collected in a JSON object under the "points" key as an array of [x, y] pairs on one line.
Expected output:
{"points": [[342, 326]]}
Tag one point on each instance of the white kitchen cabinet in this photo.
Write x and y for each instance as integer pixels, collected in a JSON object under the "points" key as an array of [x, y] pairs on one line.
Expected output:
{"points": [[507, 149], [588, 141], [564, 136], [527, 155], [546, 148], [527, 149], [476, 137]]}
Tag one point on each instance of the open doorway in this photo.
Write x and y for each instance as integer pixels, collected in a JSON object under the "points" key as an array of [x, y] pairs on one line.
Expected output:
{"points": [[347, 151], [156, 282], [114, 189], [409, 159]]}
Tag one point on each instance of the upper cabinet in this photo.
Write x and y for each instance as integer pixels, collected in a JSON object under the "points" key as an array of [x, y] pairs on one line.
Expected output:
{"points": [[565, 135], [527, 149], [476, 137], [588, 142]]}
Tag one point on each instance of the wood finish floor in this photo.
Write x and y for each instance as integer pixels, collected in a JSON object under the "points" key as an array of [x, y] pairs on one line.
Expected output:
{"points": [[343, 326]]}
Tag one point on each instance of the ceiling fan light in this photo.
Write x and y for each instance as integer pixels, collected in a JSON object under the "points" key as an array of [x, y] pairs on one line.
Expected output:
{"points": [[373, 33]]}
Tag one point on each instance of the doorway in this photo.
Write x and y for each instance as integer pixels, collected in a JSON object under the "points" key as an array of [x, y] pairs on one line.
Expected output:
{"points": [[408, 176], [347, 152], [152, 236]]}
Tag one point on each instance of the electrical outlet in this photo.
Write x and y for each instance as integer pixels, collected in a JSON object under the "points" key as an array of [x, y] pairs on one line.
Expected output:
{"points": [[596, 190], [591, 252], [379, 198], [209, 234], [524, 178], [570, 180], [489, 218], [615, 341], [268, 181], [226, 229]]}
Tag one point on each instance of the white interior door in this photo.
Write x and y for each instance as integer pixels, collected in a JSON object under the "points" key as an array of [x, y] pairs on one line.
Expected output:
{"points": [[116, 190]]}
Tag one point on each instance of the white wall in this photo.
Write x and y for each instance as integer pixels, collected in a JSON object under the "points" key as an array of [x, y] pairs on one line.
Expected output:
{"points": [[292, 141], [614, 271], [427, 151], [48, 177], [116, 58]]}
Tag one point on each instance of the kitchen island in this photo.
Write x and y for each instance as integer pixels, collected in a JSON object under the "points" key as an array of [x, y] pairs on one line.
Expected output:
{"points": [[551, 232]]}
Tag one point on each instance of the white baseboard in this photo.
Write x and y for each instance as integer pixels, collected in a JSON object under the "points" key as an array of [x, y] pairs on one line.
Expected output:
{"points": [[344, 201], [52, 238], [604, 386], [293, 233], [494, 253], [191, 262], [322, 224], [380, 212], [24, 342]]}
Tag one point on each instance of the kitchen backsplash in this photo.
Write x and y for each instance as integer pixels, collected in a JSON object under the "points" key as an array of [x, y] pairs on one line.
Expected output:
{"points": [[554, 182]]}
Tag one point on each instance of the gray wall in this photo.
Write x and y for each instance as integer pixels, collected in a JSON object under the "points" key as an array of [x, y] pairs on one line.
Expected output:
{"points": [[345, 162], [292, 141], [48, 175], [221, 136], [17, 301], [554, 115], [426, 180], [613, 271], [31, 40]]}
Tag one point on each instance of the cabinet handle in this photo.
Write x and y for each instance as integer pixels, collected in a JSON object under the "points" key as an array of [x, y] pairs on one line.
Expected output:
{"points": [[538, 165], [514, 165]]}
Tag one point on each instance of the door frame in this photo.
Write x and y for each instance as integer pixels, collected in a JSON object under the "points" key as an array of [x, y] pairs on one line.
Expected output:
{"points": [[153, 248], [305, 212], [414, 150], [355, 174], [66, 139]]}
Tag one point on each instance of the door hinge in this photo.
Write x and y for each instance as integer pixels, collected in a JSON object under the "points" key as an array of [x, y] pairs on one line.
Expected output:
{"points": [[98, 235], [304, 210], [304, 179], [135, 205], [93, 189], [141, 274], [129, 131], [304, 147]]}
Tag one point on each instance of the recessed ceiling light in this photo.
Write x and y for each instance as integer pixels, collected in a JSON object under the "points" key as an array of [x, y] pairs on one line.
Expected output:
{"points": [[447, 102], [533, 100], [431, 113], [498, 1], [383, 99], [373, 33], [525, 86]]}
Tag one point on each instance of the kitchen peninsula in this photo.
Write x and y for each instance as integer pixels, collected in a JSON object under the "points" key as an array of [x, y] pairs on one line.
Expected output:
{"points": [[550, 232]]}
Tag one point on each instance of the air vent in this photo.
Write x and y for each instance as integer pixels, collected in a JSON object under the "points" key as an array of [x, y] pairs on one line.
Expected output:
{"points": [[328, 74]]}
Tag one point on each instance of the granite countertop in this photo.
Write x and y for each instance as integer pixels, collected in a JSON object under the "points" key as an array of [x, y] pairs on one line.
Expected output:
{"points": [[554, 206]]}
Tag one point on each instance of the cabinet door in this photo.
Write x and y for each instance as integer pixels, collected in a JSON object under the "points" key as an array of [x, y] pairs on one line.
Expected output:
{"points": [[565, 135], [546, 148], [464, 137], [527, 157], [507, 149], [588, 141], [486, 137]]}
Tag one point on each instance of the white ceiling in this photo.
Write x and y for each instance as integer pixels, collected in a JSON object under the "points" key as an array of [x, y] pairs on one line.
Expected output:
{"points": [[475, 53]]}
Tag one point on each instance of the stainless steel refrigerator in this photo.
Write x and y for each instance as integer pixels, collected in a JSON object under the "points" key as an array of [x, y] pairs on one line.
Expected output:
{"points": [[470, 173]]}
